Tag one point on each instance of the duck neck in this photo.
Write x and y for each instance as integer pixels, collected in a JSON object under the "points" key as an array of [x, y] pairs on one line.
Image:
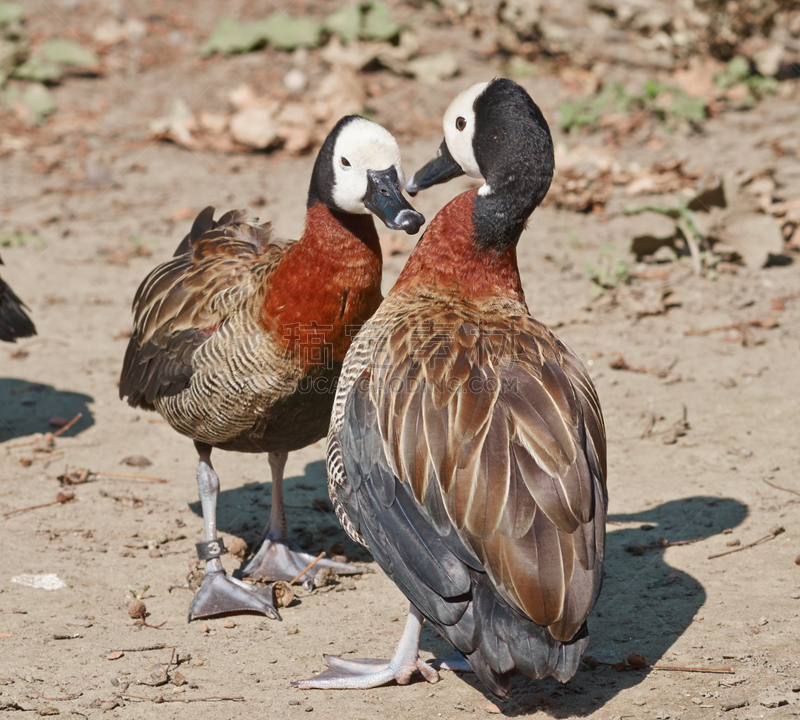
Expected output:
{"points": [[343, 238], [503, 205], [453, 258]]}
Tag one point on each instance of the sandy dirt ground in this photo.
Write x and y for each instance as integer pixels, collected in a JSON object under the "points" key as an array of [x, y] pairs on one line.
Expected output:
{"points": [[702, 428]]}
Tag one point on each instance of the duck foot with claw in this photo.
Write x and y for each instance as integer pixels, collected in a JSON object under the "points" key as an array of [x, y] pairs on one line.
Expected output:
{"points": [[283, 559], [279, 557], [220, 594], [362, 674]]}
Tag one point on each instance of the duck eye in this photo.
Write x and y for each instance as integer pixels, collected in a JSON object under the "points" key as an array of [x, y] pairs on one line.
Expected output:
{"points": [[345, 162], [461, 123]]}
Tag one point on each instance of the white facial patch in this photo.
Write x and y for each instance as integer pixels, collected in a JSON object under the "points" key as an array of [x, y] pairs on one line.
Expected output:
{"points": [[459, 129], [362, 145]]}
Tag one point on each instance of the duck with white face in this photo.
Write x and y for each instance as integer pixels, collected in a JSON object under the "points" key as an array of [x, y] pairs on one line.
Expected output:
{"points": [[467, 447], [239, 339]]}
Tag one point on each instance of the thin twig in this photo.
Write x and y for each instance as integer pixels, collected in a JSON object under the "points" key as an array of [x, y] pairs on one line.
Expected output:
{"points": [[135, 476], [60, 500], [778, 487], [774, 532], [133, 499], [66, 427], [160, 699], [169, 664], [308, 567], [69, 697], [766, 323], [693, 669], [159, 646]]}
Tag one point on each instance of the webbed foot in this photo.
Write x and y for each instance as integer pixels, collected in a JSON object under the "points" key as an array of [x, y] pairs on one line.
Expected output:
{"points": [[220, 594], [283, 559], [363, 673]]}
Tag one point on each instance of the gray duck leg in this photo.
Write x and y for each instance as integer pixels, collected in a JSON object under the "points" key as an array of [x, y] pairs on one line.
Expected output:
{"points": [[220, 593], [363, 674], [279, 557]]}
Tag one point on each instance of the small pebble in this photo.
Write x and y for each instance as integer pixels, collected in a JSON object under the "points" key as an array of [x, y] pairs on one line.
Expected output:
{"points": [[773, 701], [762, 621], [492, 708], [198, 661], [733, 543], [733, 703], [797, 560], [229, 623], [294, 702], [203, 628], [293, 632], [155, 553], [295, 80], [137, 609]]}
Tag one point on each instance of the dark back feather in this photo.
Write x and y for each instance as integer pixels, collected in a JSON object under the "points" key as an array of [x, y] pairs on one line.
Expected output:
{"points": [[219, 270], [14, 322], [478, 453]]}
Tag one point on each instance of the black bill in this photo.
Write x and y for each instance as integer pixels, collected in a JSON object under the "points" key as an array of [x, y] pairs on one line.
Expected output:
{"points": [[441, 169], [385, 198]]}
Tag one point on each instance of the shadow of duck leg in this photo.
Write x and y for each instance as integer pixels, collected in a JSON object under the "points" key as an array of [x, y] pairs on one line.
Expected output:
{"points": [[364, 674], [279, 557], [220, 593]]}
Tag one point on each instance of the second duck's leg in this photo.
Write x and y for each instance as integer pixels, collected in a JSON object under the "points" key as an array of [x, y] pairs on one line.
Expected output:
{"points": [[219, 592], [360, 674], [279, 557]]}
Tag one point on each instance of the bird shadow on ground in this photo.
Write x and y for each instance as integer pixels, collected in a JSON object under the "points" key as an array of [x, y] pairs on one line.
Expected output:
{"points": [[27, 407], [244, 511], [645, 606]]}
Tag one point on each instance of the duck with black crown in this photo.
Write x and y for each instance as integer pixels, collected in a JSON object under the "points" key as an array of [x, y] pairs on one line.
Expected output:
{"points": [[467, 447], [239, 339]]}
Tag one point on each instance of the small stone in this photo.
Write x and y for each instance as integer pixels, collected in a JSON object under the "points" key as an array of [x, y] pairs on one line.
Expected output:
{"points": [[325, 577], [254, 127], [198, 662], [293, 632], [155, 553], [295, 80], [48, 710], [640, 703], [115, 655], [733, 543], [136, 461], [178, 678], [637, 660], [294, 702], [237, 547], [762, 621], [492, 708], [229, 624], [109, 704], [733, 703], [773, 701], [697, 700], [203, 628], [797, 560], [137, 610]]}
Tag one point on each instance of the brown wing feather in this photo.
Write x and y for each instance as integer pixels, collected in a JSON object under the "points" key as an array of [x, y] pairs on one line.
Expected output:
{"points": [[184, 300], [512, 432]]}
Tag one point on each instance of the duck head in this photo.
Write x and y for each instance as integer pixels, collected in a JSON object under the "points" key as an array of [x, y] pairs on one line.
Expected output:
{"points": [[358, 171], [495, 131]]}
